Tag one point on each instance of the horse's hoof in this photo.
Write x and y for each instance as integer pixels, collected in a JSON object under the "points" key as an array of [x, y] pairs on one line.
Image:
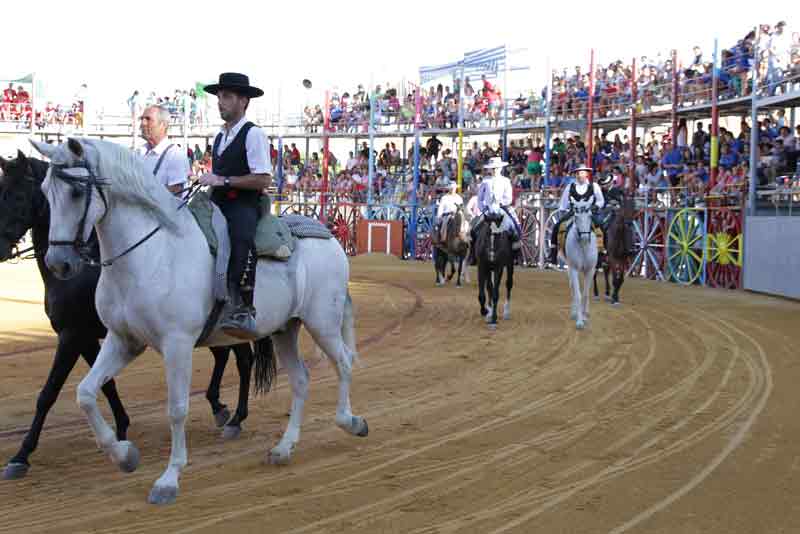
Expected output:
{"points": [[608, 299], [222, 416], [596, 297], [364, 430], [162, 495], [492, 326], [279, 456], [130, 462], [580, 325], [15, 471], [616, 303], [506, 316], [231, 432]]}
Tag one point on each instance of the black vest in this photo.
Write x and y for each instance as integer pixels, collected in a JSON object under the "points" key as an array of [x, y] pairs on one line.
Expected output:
{"points": [[573, 193], [232, 162]]}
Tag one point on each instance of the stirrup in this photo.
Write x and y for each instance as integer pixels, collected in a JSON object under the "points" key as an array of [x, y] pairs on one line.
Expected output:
{"points": [[240, 323]]}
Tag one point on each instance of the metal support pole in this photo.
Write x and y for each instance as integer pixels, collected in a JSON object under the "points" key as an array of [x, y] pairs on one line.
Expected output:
{"points": [[404, 159], [325, 154], [308, 146], [412, 224], [460, 176], [279, 164], [634, 96], [504, 100], [371, 174], [674, 113], [751, 196], [714, 156], [590, 115], [547, 101]]}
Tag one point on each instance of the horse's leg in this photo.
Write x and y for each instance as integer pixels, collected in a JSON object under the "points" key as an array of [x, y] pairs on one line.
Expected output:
{"points": [[440, 266], [220, 411], [482, 288], [244, 363], [341, 356], [65, 358], [575, 284], [497, 276], [114, 355], [452, 269], [587, 282], [288, 351], [619, 279], [594, 285], [177, 352], [460, 270], [605, 275], [91, 348], [509, 287]]}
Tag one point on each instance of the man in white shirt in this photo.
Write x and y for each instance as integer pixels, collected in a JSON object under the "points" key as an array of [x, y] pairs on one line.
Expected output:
{"points": [[495, 196], [168, 162], [581, 189], [241, 170], [450, 203]]}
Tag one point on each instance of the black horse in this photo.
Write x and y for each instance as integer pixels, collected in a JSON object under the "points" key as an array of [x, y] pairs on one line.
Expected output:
{"points": [[494, 253], [70, 306], [618, 245]]}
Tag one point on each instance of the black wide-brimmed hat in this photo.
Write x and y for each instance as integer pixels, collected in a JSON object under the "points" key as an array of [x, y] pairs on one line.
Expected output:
{"points": [[233, 81]]}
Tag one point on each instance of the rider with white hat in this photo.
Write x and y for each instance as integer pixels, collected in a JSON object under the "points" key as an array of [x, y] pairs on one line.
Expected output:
{"points": [[581, 189], [495, 196], [450, 203]]}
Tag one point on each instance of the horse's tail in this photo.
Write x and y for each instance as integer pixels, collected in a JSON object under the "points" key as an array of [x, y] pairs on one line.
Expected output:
{"points": [[349, 327], [266, 369]]}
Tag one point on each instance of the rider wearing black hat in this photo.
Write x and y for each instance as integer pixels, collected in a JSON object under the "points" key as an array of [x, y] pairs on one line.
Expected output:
{"points": [[240, 171], [581, 189]]}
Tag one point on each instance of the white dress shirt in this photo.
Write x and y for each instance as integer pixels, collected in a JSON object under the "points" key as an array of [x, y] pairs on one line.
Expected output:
{"points": [[494, 193], [258, 156], [599, 200], [449, 203], [174, 168]]}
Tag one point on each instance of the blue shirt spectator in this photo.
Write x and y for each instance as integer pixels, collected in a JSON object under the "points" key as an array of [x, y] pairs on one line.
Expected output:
{"points": [[672, 162]]}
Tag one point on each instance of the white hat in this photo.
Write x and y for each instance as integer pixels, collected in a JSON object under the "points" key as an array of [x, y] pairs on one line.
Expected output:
{"points": [[495, 163]]}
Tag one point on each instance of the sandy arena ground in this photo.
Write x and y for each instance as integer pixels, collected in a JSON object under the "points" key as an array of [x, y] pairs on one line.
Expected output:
{"points": [[676, 413]]}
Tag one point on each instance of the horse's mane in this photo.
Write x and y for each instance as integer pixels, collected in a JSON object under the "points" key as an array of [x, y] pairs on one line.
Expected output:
{"points": [[129, 178]]}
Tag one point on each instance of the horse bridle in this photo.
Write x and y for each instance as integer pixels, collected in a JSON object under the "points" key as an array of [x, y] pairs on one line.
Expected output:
{"points": [[583, 209], [90, 182]]}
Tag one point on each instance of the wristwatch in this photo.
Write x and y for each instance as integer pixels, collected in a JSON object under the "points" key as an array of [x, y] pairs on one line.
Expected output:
{"points": [[227, 181]]}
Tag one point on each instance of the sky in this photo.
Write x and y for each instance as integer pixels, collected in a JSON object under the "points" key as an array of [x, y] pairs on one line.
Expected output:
{"points": [[116, 47]]}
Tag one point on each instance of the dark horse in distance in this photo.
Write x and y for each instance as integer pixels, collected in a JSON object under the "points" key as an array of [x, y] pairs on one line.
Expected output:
{"points": [[494, 254], [70, 306], [618, 244]]}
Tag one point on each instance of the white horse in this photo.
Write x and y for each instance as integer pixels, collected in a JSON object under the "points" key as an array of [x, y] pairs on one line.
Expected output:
{"points": [[580, 249], [160, 293]]}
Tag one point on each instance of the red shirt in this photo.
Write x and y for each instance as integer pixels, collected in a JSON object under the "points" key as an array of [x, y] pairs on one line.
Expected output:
{"points": [[9, 95], [23, 96]]}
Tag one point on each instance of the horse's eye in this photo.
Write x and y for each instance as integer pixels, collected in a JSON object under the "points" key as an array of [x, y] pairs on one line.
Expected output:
{"points": [[76, 193]]}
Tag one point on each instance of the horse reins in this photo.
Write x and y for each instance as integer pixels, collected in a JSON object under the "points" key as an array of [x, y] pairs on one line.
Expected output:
{"points": [[91, 182]]}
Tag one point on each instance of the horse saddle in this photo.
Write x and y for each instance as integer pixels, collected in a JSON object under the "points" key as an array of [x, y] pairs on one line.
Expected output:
{"points": [[276, 237]]}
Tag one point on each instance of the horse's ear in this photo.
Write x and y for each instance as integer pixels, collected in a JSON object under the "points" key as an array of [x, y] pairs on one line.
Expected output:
{"points": [[3, 163], [21, 157], [44, 149], [75, 147]]}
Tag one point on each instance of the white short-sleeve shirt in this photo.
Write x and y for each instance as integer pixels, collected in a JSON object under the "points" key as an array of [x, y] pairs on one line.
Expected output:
{"points": [[258, 156], [174, 169]]}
